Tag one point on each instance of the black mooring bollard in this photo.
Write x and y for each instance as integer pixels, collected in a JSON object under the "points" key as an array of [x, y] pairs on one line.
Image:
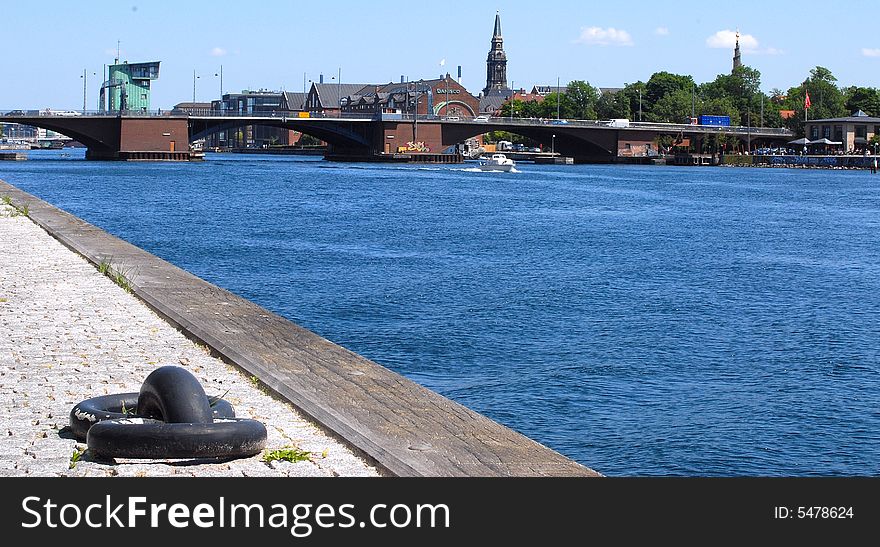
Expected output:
{"points": [[171, 417]]}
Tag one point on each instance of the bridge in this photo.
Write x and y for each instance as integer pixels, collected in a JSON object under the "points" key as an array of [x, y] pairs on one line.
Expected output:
{"points": [[365, 137]]}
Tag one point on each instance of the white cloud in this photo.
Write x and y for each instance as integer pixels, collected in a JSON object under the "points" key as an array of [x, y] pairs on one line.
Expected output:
{"points": [[661, 31], [604, 37], [218, 52], [869, 52], [726, 39]]}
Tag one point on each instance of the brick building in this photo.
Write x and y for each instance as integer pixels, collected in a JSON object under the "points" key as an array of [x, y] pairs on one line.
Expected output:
{"points": [[441, 97]]}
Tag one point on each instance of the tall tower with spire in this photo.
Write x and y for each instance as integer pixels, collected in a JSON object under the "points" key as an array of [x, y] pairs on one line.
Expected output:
{"points": [[737, 56], [496, 63]]}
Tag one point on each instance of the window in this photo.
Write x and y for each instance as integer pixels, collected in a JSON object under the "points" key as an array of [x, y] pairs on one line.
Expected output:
{"points": [[838, 132], [861, 131], [814, 132], [826, 131]]}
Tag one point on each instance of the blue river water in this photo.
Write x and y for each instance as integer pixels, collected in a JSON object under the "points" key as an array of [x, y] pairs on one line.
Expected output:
{"points": [[642, 320]]}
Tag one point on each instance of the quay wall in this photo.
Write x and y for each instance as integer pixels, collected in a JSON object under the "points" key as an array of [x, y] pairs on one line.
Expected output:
{"points": [[404, 428], [827, 162]]}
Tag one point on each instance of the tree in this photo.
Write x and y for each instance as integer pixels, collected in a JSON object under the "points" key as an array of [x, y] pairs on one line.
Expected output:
{"points": [[664, 83], [741, 89], [825, 97], [583, 98], [673, 107], [556, 102], [623, 103], [613, 105], [512, 108], [866, 99], [777, 96]]}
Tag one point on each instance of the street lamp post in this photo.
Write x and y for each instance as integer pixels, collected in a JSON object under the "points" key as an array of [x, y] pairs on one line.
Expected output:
{"points": [[557, 97], [640, 104], [553, 146], [416, 112], [762, 109], [749, 133], [84, 77], [221, 81]]}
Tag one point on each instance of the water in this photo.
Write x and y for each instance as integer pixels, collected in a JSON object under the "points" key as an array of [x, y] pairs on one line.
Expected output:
{"points": [[640, 320]]}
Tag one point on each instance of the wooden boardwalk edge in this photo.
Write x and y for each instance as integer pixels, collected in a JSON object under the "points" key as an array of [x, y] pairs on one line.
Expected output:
{"points": [[403, 427]]}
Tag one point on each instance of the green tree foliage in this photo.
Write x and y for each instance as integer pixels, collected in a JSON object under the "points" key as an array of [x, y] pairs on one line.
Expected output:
{"points": [[663, 83], [582, 97], [554, 101], [613, 105], [737, 95], [673, 107], [866, 99], [517, 108], [623, 104], [827, 100]]}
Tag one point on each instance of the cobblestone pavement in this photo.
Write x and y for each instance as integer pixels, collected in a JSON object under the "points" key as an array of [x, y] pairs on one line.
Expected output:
{"points": [[68, 333]]}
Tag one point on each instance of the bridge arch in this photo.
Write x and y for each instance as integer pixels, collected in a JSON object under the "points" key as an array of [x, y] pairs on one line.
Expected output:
{"points": [[585, 146], [338, 133], [100, 136]]}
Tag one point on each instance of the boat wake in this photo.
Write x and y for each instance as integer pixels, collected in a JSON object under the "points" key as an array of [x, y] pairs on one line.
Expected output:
{"points": [[478, 170]]}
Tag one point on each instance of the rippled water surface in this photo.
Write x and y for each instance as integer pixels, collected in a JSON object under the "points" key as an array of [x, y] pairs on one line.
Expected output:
{"points": [[641, 320]]}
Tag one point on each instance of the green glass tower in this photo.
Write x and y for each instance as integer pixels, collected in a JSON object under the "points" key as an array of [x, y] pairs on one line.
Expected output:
{"points": [[128, 86]]}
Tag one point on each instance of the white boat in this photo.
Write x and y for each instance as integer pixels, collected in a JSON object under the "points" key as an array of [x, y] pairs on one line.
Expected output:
{"points": [[497, 162]]}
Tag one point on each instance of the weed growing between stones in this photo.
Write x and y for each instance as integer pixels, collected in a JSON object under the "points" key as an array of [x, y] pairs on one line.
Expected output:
{"points": [[117, 274], [288, 454]]}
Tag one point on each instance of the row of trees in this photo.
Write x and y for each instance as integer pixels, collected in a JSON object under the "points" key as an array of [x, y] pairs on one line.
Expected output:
{"points": [[675, 98]]}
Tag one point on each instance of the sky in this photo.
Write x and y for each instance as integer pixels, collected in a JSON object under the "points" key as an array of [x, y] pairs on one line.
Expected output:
{"points": [[284, 44]]}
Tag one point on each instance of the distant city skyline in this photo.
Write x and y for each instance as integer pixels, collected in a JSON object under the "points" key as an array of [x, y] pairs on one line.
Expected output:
{"points": [[286, 45]]}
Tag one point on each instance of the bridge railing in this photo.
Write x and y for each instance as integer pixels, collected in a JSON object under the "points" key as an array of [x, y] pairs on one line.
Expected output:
{"points": [[396, 116]]}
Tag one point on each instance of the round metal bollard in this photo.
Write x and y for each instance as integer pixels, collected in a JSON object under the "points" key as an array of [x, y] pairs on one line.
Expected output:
{"points": [[171, 417], [124, 405]]}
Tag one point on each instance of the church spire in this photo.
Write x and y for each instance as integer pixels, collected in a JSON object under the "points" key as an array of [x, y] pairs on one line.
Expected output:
{"points": [[737, 56], [496, 62]]}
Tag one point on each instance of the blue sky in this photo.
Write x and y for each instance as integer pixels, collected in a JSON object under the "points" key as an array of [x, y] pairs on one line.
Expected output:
{"points": [[276, 45]]}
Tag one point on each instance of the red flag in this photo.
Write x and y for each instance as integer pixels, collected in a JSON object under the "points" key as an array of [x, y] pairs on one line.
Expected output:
{"points": [[807, 103]]}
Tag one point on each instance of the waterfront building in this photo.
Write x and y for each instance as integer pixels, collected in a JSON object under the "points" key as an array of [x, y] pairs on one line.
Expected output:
{"points": [[544, 90], [293, 101], [18, 132], [127, 87], [855, 132], [440, 97], [250, 103], [326, 99], [192, 109]]}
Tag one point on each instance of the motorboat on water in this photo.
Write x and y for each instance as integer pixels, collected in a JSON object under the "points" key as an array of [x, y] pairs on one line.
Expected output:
{"points": [[497, 162]]}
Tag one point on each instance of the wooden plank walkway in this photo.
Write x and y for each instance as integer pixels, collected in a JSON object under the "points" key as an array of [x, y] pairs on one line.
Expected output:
{"points": [[405, 428]]}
